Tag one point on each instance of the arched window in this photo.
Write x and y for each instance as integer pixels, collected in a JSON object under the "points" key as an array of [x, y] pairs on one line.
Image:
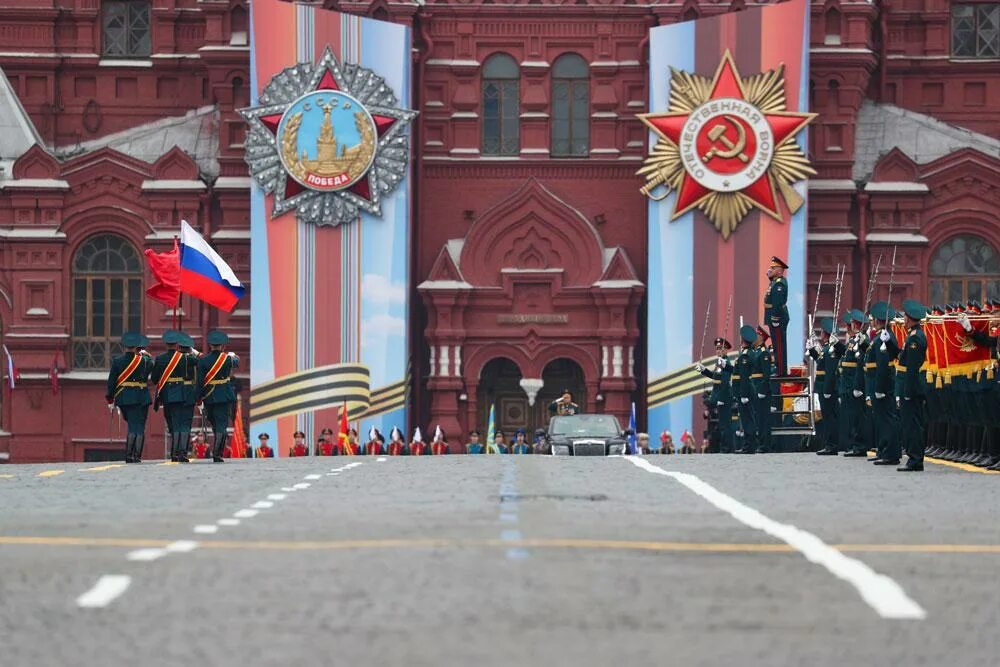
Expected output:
{"points": [[963, 268], [832, 27], [570, 106], [501, 106], [238, 28], [107, 299]]}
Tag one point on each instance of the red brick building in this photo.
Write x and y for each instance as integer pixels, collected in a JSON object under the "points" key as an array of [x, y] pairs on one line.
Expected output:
{"points": [[524, 158]]}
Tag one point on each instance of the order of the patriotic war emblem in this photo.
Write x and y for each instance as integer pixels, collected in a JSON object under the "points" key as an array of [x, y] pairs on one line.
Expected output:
{"points": [[726, 145], [328, 141]]}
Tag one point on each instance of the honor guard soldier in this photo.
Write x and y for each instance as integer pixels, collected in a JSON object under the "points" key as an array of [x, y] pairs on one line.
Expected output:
{"points": [[174, 374], [264, 450], [852, 403], [499, 445], [880, 389], [520, 445], [760, 378], [183, 413], [128, 388], [744, 391], [564, 405], [776, 313], [990, 397], [215, 369], [417, 445], [721, 395], [474, 446], [325, 445], [911, 403], [396, 445], [826, 351], [375, 441], [299, 444], [440, 445]]}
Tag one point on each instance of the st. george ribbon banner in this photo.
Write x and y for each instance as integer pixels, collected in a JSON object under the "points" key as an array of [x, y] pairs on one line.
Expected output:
{"points": [[328, 151], [726, 182]]}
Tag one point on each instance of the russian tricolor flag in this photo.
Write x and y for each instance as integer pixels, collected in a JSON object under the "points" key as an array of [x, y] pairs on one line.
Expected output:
{"points": [[204, 274]]}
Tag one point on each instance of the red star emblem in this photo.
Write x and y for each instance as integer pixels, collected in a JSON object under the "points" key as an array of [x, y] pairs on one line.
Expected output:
{"points": [[727, 144], [382, 124]]}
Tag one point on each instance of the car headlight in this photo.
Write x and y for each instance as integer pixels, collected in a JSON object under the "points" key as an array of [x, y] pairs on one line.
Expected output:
{"points": [[616, 449]]}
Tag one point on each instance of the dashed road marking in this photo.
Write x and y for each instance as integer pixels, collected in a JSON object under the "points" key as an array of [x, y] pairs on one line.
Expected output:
{"points": [[245, 514], [50, 473], [302, 485], [380, 459], [146, 555], [881, 593], [228, 522], [287, 489], [262, 504], [6, 477], [182, 546], [312, 477], [206, 528], [107, 588], [103, 468], [277, 496]]}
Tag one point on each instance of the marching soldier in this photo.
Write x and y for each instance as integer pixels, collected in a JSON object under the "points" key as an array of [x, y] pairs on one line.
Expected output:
{"points": [[174, 374], [760, 378], [721, 395], [852, 386], [744, 391], [827, 352], [183, 413], [474, 446], [776, 313], [128, 388], [911, 403], [881, 390], [215, 369], [564, 405]]}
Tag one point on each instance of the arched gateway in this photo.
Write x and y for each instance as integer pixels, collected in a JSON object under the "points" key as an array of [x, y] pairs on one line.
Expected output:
{"points": [[531, 284]]}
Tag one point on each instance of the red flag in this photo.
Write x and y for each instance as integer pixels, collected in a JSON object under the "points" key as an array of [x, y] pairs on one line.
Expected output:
{"points": [[54, 373], [344, 436], [239, 436], [166, 270]]}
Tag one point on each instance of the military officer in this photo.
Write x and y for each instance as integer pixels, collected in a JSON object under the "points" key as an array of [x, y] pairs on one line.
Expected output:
{"points": [[881, 389], [375, 442], [912, 418], [128, 389], [826, 351], [721, 395], [520, 445], [760, 379], [417, 446], [540, 445], [264, 450], [744, 391], [776, 313], [499, 443], [852, 389], [564, 405], [397, 447], [174, 374], [183, 413], [439, 446], [215, 371], [989, 396], [474, 446]]}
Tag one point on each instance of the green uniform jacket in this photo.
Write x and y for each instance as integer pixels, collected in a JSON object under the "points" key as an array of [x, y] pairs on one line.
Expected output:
{"points": [[222, 391], [911, 358], [760, 377], [742, 388], [861, 355], [136, 391], [775, 310], [721, 377], [180, 384], [883, 375]]}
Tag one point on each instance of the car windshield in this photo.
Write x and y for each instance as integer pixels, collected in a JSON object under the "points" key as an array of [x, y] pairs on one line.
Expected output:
{"points": [[603, 426]]}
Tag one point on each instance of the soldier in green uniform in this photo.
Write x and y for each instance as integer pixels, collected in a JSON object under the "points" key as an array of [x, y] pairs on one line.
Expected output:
{"points": [[184, 412], [744, 391], [172, 370], [721, 395], [826, 352], [128, 388], [760, 378], [215, 370], [880, 390], [912, 413], [853, 372], [776, 313]]}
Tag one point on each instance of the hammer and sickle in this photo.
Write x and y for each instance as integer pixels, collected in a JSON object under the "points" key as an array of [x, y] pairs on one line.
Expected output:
{"points": [[718, 133]]}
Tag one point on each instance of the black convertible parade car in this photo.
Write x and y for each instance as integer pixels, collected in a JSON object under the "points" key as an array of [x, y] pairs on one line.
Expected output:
{"points": [[585, 435]]}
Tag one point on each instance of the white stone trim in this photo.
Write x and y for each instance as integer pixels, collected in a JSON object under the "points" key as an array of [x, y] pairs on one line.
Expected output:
{"points": [[465, 114], [615, 63], [534, 114], [443, 285], [534, 151], [449, 62], [631, 361], [458, 361], [535, 64], [443, 361], [464, 151], [433, 361], [896, 237], [616, 363], [617, 284], [35, 183], [604, 361], [896, 186], [39, 234], [124, 62], [226, 47], [232, 183], [604, 114], [162, 235], [173, 184], [832, 185], [832, 236], [15, 334], [232, 234], [36, 311], [840, 49]]}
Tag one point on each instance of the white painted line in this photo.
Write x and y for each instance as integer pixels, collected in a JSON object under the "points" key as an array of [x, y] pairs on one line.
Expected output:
{"points": [[107, 588], [312, 477], [302, 485], [182, 546], [228, 522], [262, 504], [287, 489], [246, 514], [881, 593], [517, 554], [277, 496], [146, 555], [507, 516], [380, 459], [510, 535], [206, 528]]}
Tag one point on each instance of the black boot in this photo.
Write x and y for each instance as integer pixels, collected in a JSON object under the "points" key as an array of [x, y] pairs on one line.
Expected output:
{"points": [[139, 441], [183, 438], [173, 447], [220, 445], [129, 448]]}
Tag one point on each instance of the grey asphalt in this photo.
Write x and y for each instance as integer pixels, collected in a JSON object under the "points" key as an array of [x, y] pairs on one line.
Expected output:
{"points": [[487, 560]]}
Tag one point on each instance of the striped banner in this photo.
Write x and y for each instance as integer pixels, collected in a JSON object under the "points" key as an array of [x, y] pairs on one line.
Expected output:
{"points": [[690, 263], [329, 305]]}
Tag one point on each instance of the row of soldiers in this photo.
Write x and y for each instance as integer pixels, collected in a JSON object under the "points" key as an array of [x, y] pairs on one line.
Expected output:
{"points": [[875, 395], [182, 379], [398, 446]]}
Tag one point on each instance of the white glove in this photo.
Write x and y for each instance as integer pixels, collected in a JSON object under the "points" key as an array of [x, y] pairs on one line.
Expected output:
{"points": [[231, 355], [698, 367], [818, 348], [144, 352], [885, 335], [897, 401], [827, 395], [774, 409], [761, 396], [879, 395], [858, 393], [720, 404], [963, 319], [906, 398], [744, 400], [722, 362]]}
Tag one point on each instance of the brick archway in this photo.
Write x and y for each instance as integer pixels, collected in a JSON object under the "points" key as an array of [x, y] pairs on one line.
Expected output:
{"points": [[531, 282]]}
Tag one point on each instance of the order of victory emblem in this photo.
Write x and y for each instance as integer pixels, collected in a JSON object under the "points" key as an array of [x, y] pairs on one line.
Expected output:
{"points": [[726, 145], [328, 141]]}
